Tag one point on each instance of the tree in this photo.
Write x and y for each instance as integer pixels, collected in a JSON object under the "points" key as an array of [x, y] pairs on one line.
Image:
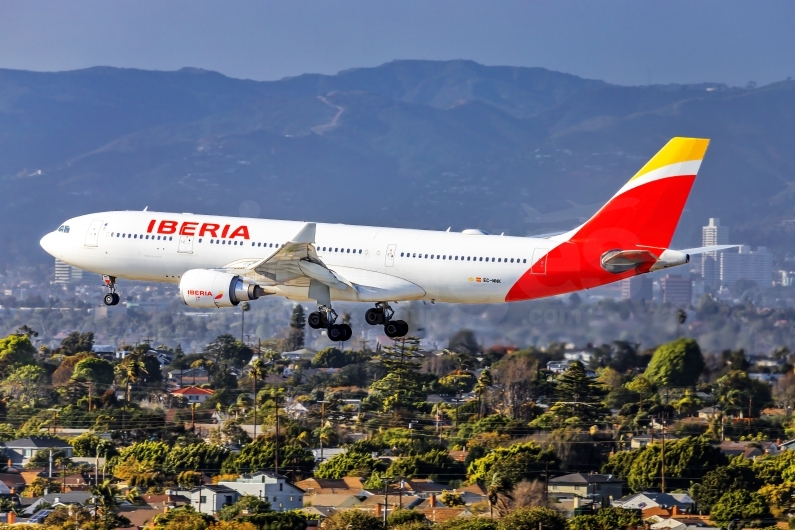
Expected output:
{"points": [[401, 386], [247, 503], [15, 351], [779, 497], [749, 506], [95, 370], [349, 463], [579, 397], [77, 342], [642, 386], [329, 358], [353, 520], [464, 341], [513, 464], [228, 351], [676, 364], [91, 445], [434, 462], [261, 454], [607, 519], [25, 384], [183, 518], [451, 499], [737, 393], [722, 480], [39, 485], [130, 371], [404, 517], [467, 523], [533, 519], [686, 460], [105, 494], [297, 333], [485, 381]]}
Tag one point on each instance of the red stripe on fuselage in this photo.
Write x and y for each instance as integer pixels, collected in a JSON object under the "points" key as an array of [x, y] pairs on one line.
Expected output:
{"points": [[646, 215]]}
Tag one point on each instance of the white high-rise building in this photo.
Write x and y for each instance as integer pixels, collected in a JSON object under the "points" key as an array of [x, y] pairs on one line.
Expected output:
{"points": [[712, 234], [747, 265], [65, 273]]}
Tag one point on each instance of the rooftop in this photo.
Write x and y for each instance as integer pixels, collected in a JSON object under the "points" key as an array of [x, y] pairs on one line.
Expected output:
{"points": [[585, 478], [36, 442]]}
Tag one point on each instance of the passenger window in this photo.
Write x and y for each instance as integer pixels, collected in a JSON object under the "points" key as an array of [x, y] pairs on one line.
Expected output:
{"points": [[511, 260], [524, 261], [360, 251], [200, 240], [456, 258], [401, 254], [431, 256], [170, 238]]}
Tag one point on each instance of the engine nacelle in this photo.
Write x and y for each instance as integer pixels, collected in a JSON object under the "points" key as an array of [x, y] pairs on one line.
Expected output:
{"points": [[209, 288]]}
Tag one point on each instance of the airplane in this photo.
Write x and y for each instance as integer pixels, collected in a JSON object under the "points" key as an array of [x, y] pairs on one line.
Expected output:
{"points": [[221, 261]]}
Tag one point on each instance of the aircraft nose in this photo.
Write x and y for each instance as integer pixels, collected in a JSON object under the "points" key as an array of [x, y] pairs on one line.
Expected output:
{"points": [[48, 243]]}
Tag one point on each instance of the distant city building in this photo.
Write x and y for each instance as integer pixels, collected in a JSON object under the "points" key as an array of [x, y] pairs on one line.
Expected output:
{"points": [[677, 290], [747, 265], [712, 234], [637, 288], [65, 273]]}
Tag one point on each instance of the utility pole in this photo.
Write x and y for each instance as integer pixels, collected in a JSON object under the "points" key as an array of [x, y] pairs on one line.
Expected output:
{"points": [[546, 479], [386, 497], [276, 461], [50, 473], [662, 460], [254, 390], [193, 417], [322, 424]]}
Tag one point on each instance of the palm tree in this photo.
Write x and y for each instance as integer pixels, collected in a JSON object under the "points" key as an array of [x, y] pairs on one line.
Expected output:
{"points": [[130, 370], [105, 495], [484, 382], [259, 368]]}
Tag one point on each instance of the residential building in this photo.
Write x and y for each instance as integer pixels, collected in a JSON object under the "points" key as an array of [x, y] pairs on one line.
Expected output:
{"points": [[750, 449], [210, 498], [190, 376], [304, 354], [712, 234], [193, 394], [271, 487], [65, 273], [746, 264], [20, 451], [649, 499], [642, 440], [588, 485], [74, 498], [677, 290], [637, 288]]}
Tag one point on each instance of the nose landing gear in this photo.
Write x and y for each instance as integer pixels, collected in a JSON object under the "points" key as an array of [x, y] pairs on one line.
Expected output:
{"points": [[112, 298], [382, 313], [325, 317]]}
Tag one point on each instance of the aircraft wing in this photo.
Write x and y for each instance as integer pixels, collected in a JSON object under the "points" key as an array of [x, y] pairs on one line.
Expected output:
{"points": [[294, 263], [702, 250]]}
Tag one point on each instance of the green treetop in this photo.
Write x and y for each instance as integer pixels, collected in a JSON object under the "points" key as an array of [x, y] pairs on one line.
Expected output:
{"points": [[578, 396], [676, 364], [402, 385]]}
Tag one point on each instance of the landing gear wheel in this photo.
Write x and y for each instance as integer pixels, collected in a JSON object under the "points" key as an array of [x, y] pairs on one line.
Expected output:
{"points": [[348, 332], [116, 298], [110, 299], [317, 320], [374, 316], [396, 328], [336, 332]]}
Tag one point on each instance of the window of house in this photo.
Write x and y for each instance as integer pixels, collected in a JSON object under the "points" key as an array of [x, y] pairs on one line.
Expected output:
{"points": [[203, 499], [281, 486]]}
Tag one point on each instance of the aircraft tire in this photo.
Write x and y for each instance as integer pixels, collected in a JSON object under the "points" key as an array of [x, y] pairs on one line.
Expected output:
{"points": [[109, 299], [336, 332], [316, 320], [116, 299], [374, 316], [348, 332], [404, 328]]}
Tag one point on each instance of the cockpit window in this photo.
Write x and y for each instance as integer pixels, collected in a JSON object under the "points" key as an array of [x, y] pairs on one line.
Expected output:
{"points": [[64, 229]]}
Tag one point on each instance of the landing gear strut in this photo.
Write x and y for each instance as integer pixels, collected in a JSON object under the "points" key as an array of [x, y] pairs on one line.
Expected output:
{"points": [[325, 317], [112, 298], [382, 313]]}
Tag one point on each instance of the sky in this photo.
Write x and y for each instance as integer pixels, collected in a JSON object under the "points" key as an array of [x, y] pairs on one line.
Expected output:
{"points": [[619, 41]]}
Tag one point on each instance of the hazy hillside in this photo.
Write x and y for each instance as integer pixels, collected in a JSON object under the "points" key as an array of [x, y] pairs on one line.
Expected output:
{"points": [[409, 143]]}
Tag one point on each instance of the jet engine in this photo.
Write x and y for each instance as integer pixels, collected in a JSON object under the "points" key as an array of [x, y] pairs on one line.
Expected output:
{"points": [[209, 289]]}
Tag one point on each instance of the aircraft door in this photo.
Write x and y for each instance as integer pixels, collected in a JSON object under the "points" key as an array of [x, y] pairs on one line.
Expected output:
{"points": [[539, 261], [92, 236], [390, 255], [185, 244]]}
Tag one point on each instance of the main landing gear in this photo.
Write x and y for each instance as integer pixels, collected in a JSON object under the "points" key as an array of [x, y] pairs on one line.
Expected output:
{"points": [[325, 317], [112, 298], [382, 314]]}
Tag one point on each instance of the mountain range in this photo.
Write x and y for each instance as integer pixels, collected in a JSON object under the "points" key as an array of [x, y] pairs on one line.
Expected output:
{"points": [[422, 144]]}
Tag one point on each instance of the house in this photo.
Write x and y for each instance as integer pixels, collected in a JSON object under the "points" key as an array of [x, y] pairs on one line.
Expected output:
{"points": [[708, 413], [649, 499], [337, 501], [681, 523], [210, 498], [75, 498], [20, 451], [642, 440], [192, 376], [749, 449], [304, 354], [770, 379], [588, 485], [344, 485], [193, 394], [271, 487], [295, 410], [328, 452], [558, 367]]}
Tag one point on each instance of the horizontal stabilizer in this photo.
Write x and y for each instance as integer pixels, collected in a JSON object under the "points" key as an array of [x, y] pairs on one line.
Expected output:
{"points": [[702, 250]]}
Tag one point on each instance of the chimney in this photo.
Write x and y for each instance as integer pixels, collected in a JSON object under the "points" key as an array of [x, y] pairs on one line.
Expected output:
{"points": [[12, 517], [433, 500], [9, 462], [13, 490], [675, 510], [378, 512], [56, 500]]}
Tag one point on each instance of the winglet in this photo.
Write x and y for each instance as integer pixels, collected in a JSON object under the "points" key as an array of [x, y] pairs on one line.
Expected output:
{"points": [[306, 235]]}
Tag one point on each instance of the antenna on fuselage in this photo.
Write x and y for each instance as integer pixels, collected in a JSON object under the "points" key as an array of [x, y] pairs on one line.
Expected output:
{"points": [[145, 207]]}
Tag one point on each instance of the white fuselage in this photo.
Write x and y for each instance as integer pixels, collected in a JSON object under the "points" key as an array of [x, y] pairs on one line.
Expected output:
{"points": [[419, 264]]}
